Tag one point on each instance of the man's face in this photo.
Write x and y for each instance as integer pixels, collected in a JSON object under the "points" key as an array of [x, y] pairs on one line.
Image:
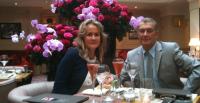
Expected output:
{"points": [[147, 35]]}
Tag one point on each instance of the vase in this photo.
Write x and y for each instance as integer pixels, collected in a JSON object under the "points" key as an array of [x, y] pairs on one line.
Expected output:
{"points": [[39, 69], [51, 71], [110, 52], [52, 64]]}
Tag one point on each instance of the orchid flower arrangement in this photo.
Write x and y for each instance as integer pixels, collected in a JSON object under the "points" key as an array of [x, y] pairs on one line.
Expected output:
{"points": [[48, 40], [134, 22], [113, 15]]}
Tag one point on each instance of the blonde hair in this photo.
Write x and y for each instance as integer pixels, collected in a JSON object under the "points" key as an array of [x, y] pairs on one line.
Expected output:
{"points": [[83, 51]]}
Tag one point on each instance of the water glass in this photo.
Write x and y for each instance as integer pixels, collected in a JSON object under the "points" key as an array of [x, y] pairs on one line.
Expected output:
{"points": [[103, 72], [132, 70], [145, 95]]}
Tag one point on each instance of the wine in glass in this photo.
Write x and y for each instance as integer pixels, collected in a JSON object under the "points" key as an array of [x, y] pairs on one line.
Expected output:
{"points": [[93, 68], [132, 70], [118, 65]]}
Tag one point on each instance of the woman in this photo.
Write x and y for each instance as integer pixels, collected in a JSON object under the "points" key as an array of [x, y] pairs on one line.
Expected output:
{"points": [[72, 74]]}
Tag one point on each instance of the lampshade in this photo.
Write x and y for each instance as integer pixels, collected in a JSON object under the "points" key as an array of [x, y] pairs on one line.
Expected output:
{"points": [[194, 42]]}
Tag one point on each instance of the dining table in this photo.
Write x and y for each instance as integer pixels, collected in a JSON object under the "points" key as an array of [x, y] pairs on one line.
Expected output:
{"points": [[19, 73], [139, 95], [122, 95]]}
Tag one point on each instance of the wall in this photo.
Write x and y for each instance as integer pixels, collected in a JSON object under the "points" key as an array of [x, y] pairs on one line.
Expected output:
{"points": [[167, 19], [175, 24], [194, 18], [24, 16]]}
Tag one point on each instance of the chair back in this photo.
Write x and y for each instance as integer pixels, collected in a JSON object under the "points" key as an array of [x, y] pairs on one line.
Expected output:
{"points": [[6, 86], [20, 93]]}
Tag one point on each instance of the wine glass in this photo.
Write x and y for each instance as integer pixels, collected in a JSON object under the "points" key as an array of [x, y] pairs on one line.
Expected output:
{"points": [[93, 68], [102, 73], [118, 65], [132, 70], [4, 61]]}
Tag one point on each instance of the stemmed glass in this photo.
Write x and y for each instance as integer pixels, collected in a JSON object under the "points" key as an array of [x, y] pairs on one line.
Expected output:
{"points": [[93, 68], [102, 73], [118, 65], [4, 61], [132, 70]]}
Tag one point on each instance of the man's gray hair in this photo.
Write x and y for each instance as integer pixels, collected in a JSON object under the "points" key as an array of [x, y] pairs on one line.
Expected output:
{"points": [[148, 20]]}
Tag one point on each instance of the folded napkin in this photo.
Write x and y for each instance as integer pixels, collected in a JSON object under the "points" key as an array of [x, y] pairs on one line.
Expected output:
{"points": [[96, 91], [7, 75], [17, 69]]}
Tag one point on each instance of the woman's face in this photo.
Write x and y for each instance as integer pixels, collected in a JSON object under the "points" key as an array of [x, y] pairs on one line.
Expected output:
{"points": [[92, 38]]}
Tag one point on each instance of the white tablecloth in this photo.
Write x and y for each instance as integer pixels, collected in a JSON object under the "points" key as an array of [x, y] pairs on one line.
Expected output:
{"points": [[12, 67]]}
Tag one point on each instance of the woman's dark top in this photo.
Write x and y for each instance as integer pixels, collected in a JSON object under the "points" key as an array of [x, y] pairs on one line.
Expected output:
{"points": [[71, 73]]}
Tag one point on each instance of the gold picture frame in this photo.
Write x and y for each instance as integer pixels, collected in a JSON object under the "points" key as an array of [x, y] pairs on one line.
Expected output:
{"points": [[132, 34]]}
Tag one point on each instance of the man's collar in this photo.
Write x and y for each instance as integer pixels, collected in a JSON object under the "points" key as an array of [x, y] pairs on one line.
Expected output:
{"points": [[151, 51]]}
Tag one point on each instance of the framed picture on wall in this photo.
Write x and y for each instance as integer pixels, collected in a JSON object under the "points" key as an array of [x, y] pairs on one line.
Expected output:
{"points": [[8, 29], [132, 34], [48, 20]]}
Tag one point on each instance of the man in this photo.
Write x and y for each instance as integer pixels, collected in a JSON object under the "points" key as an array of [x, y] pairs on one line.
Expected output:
{"points": [[166, 61]]}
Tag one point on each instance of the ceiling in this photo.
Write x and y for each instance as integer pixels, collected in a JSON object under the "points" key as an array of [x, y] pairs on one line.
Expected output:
{"points": [[141, 4]]}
